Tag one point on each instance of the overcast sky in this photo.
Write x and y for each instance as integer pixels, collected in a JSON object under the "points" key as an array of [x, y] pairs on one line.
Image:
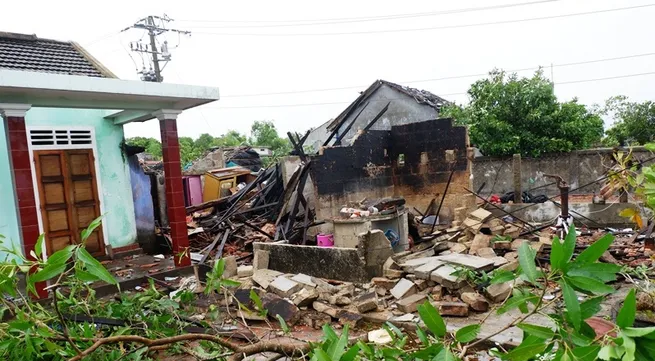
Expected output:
{"points": [[354, 48]]}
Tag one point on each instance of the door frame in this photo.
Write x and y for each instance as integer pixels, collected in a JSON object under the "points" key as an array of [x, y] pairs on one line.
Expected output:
{"points": [[93, 147]]}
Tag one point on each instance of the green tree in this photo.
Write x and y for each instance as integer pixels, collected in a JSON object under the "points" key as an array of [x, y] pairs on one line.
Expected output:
{"points": [[152, 145], [232, 139], [634, 123], [188, 150], [508, 115], [205, 142]]}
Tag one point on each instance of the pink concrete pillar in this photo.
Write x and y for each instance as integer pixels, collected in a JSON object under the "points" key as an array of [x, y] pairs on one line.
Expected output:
{"points": [[173, 178]]}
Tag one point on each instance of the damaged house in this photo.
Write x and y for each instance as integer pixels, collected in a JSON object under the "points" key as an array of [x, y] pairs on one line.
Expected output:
{"points": [[390, 142]]}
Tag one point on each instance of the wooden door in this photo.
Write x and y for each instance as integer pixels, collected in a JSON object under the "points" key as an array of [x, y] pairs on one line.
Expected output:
{"points": [[69, 198]]}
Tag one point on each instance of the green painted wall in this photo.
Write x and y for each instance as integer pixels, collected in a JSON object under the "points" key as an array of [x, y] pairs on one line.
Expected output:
{"points": [[114, 178], [8, 211]]}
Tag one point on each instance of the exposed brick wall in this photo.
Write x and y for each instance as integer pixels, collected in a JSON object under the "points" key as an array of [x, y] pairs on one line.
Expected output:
{"points": [[370, 168]]}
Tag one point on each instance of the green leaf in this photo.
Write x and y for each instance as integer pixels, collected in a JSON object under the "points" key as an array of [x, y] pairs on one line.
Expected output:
{"points": [[601, 271], [329, 333], [432, 319], [637, 332], [422, 336], [48, 272], [572, 304], [92, 227], [593, 252], [626, 316], [502, 276], [587, 353], [230, 283], [338, 348], [94, 267], [590, 307], [527, 255], [650, 146], [569, 246], [38, 247], [283, 324], [321, 355], [219, 268], [85, 276], [556, 254], [445, 355], [645, 350], [62, 256], [467, 333], [525, 353], [630, 349], [608, 352], [588, 284], [351, 353], [427, 353], [366, 349], [517, 301], [537, 331]]}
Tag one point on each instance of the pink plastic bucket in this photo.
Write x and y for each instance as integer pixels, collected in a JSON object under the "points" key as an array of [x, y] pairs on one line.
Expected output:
{"points": [[325, 240]]}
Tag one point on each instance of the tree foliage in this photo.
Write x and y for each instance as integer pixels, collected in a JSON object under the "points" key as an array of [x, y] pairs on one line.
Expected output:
{"points": [[634, 123], [509, 115], [263, 133]]}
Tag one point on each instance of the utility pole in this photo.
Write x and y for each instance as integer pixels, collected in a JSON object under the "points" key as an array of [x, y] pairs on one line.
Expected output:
{"points": [[155, 26]]}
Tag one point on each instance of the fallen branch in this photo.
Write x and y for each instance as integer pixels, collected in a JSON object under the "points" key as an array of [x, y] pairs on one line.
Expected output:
{"points": [[240, 352]]}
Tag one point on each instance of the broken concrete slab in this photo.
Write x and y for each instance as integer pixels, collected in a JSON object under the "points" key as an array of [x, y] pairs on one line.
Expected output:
{"points": [[444, 276], [510, 266], [421, 284], [410, 304], [383, 282], [502, 245], [230, 267], [374, 248], [316, 320], [480, 214], [499, 261], [264, 277], [512, 231], [284, 287], [468, 261], [459, 309], [476, 301], [366, 302], [245, 271], [326, 308], [304, 279], [260, 259], [391, 269], [516, 244], [276, 305], [497, 230], [424, 271], [479, 241], [423, 254], [458, 248], [351, 319], [499, 292], [413, 264], [486, 252], [304, 297], [403, 288]]}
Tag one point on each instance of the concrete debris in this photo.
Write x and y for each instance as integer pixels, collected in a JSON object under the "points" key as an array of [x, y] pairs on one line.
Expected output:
{"points": [[379, 337], [284, 287], [304, 279], [458, 309], [499, 292], [475, 301], [276, 305], [479, 241], [468, 261], [486, 252], [261, 259], [383, 282], [244, 271], [444, 276], [403, 288], [305, 297], [264, 277], [351, 319], [316, 320], [325, 308], [230, 267], [410, 304], [366, 302], [424, 271]]}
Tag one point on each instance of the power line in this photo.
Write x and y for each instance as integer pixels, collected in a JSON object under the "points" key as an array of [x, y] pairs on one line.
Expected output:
{"points": [[295, 23], [434, 27], [439, 79], [460, 93]]}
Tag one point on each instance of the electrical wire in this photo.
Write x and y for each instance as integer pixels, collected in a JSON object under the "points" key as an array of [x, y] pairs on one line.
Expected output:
{"points": [[459, 26], [295, 23], [443, 78], [386, 100]]}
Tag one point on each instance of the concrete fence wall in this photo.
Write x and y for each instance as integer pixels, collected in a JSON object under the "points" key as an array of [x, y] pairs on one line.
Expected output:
{"points": [[579, 168]]}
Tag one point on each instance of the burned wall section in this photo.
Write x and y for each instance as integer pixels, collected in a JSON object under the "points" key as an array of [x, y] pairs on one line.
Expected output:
{"points": [[409, 161], [420, 166], [351, 173]]}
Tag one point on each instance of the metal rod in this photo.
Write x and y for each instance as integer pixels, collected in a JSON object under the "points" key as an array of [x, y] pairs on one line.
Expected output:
{"points": [[443, 198]]}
